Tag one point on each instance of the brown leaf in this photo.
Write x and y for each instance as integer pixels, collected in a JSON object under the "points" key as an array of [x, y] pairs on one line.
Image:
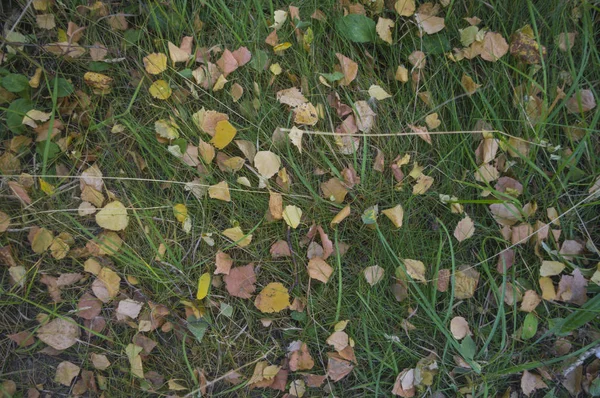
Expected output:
{"points": [[291, 96], [88, 307], [469, 85], [417, 59], [525, 47], [301, 359], [443, 280], [531, 382], [223, 263], [23, 339], [334, 190], [494, 47], [66, 372], [405, 384], [240, 281], [280, 249], [318, 269], [349, 69], [530, 301], [581, 101], [60, 333], [572, 289], [459, 327], [506, 259], [337, 367]]}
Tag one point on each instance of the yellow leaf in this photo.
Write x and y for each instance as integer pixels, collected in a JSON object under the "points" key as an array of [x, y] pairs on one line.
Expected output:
{"points": [[275, 69], [47, 188], [221, 81], [395, 214], [282, 47], [547, 287], [160, 89], [433, 121], [405, 8], [237, 236], [384, 26], [181, 212], [295, 136], [306, 114], [292, 215], [155, 63], [98, 82], [41, 240], [423, 184], [220, 191], [224, 133], [167, 129], [203, 286], [113, 216], [378, 93], [415, 268], [273, 298], [345, 212], [318, 269]]}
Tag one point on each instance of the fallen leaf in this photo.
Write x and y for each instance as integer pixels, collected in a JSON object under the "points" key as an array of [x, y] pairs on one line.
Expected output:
{"points": [[167, 129], [349, 69], [551, 268], [429, 24], [395, 214], [469, 85], [318, 269], [547, 287], [405, 8], [565, 41], [530, 301], [459, 327], [240, 281], [273, 298], [432, 121], [66, 372], [60, 333], [267, 163], [531, 382], [384, 29], [365, 117], [334, 190], [465, 280], [295, 136], [227, 63], [340, 216], [291, 96], [280, 249], [301, 359], [236, 92], [525, 47], [223, 263], [203, 286], [494, 47], [487, 173], [506, 259], [224, 133], [572, 288], [423, 184], [100, 361], [160, 89], [42, 240], [581, 101], [237, 235], [373, 274], [279, 17], [292, 215], [415, 269], [405, 381], [337, 366], [155, 63], [135, 360], [113, 216], [101, 84], [220, 191], [378, 93], [464, 229], [306, 114], [417, 59]]}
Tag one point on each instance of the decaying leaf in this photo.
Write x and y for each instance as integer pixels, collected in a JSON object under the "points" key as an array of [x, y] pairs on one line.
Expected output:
{"points": [[405, 8], [60, 333], [220, 191], [348, 67], [267, 163], [240, 281], [531, 382], [384, 29], [318, 269], [66, 372]]}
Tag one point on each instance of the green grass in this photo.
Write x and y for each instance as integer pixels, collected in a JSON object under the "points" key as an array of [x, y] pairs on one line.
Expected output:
{"points": [[382, 346]]}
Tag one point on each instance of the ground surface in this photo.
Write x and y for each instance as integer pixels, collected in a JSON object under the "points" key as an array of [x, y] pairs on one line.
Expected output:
{"points": [[316, 198]]}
